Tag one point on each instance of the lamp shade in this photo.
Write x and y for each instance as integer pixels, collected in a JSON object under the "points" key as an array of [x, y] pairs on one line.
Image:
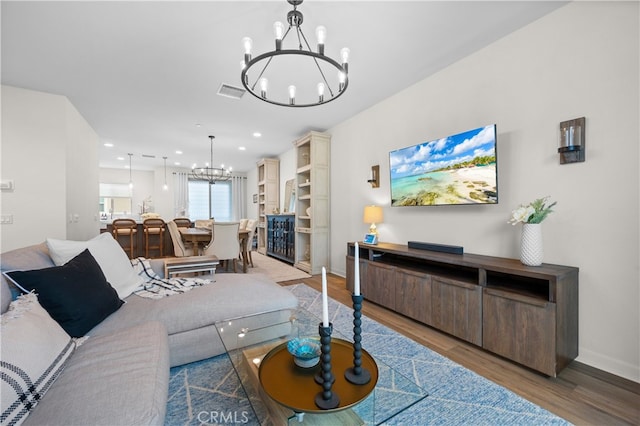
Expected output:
{"points": [[372, 214]]}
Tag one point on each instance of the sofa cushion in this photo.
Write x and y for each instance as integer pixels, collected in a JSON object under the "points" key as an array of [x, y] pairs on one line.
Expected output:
{"points": [[25, 258], [34, 351], [115, 379], [114, 262], [230, 296], [76, 295]]}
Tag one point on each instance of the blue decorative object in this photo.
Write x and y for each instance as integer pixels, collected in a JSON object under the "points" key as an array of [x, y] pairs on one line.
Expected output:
{"points": [[305, 351]]}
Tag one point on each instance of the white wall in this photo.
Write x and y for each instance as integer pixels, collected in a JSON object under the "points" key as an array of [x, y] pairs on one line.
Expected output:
{"points": [[581, 60], [81, 176], [50, 152]]}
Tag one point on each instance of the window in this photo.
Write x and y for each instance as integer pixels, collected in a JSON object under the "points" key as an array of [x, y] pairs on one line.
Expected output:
{"points": [[115, 199], [206, 201]]}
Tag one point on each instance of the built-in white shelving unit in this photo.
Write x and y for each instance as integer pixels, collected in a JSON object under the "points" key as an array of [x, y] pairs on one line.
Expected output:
{"points": [[268, 196], [313, 153]]}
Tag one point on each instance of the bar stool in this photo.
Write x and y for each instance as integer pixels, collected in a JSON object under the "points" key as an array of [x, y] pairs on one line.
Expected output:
{"points": [[125, 228], [153, 228]]}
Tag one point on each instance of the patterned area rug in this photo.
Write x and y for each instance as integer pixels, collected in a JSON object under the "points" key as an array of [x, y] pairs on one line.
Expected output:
{"points": [[275, 269], [208, 391]]}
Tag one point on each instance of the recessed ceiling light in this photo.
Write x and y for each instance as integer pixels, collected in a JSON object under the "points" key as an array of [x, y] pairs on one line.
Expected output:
{"points": [[178, 152], [198, 125], [121, 158], [176, 163], [242, 148], [257, 134], [108, 145]]}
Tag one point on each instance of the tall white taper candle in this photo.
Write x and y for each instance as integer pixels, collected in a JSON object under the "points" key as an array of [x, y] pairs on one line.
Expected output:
{"points": [[356, 273], [325, 300]]}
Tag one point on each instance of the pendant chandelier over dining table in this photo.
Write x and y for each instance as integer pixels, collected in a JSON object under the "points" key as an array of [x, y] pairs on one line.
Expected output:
{"points": [[297, 76], [209, 173]]}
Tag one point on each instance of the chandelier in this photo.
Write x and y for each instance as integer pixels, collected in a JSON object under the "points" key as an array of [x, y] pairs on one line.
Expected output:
{"points": [[209, 173], [283, 71]]}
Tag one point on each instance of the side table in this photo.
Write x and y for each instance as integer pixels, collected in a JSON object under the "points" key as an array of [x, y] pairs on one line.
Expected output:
{"points": [[190, 264]]}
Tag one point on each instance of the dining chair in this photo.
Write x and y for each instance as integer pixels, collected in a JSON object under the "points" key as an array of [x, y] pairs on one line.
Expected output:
{"points": [[204, 223], [226, 245], [123, 228], [252, 225], [183, 222], [179, 248], [153, 228]]}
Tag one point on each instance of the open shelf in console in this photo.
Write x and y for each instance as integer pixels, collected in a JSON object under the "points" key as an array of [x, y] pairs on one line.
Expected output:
{"points": [[430, 267], [521, 285]]}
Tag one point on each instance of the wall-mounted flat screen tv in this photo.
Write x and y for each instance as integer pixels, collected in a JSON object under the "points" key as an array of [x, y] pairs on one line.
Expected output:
{"points": [[458, 169]]}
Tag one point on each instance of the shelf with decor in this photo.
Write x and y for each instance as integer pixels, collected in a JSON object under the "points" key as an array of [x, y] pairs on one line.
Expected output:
{"points": [[526, 314], [268, 197], [312, 202]]}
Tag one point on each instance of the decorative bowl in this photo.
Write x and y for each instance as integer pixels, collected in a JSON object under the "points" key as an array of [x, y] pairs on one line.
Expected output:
{"points": [[305, 351]]}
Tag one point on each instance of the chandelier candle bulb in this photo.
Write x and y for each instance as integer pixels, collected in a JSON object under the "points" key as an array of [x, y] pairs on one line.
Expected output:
{"points": [[344, 54], [356, 272], [320, 92], [278, 29], [264, 83], [321, 35], [292, 95], [325, 300], [247, 43]]}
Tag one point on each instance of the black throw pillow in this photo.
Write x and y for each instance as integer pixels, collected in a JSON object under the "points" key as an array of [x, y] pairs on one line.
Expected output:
{"points": [[76, 294]]}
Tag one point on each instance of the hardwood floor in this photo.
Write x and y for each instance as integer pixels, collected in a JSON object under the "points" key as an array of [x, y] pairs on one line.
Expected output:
{"points": [[580, 394]]}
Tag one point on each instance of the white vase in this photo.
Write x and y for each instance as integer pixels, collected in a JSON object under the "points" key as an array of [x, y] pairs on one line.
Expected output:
{"points": [[531, 252]]}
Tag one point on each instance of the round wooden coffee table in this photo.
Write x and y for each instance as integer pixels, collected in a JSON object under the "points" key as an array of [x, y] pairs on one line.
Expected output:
{"points": [[295, 388]]}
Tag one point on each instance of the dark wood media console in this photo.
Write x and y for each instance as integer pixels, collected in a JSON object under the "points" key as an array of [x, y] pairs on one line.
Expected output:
{"points": [[523, 313]]}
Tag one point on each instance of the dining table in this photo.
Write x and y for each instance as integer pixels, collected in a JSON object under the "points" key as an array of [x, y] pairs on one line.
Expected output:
{"points": [[200, 237]]}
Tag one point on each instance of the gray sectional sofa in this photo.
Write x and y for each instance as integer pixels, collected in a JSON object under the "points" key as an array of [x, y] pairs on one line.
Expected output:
{"points": [[119, 374]]}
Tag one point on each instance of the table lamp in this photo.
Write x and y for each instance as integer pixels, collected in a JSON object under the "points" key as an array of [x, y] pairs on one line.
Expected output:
{"points": [[372, 215]]}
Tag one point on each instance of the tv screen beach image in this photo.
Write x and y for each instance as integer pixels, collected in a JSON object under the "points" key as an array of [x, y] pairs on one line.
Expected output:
{"points": [[458, 169]]}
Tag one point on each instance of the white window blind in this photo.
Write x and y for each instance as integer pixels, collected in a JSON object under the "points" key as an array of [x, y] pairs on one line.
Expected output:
{"points": [[206, 201]]}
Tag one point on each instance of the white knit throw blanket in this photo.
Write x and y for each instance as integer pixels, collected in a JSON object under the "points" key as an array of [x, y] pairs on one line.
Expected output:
{"points": [[155, 287]]}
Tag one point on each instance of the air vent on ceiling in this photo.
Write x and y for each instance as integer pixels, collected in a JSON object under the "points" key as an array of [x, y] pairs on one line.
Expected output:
{"points": [[148, 156], [230, 91]]}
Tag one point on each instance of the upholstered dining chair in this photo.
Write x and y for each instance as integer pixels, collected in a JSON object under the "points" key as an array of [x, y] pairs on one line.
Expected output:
{"points": [[183, 222], [252, 225], [153, 229], [125, 228], [204, 223], [179, 248], [225, 246]]}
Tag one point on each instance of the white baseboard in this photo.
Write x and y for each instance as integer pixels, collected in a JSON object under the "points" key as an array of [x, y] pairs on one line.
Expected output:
{"points": [[610, 365]]}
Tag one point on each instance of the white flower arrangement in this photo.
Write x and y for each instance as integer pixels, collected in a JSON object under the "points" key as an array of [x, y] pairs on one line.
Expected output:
{"points": [[534, 212]]}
